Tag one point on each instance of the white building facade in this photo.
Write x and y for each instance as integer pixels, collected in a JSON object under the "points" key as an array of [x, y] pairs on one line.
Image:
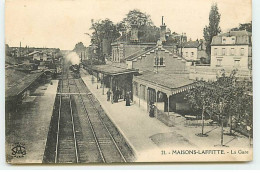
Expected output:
{"points": [[232, 50]]}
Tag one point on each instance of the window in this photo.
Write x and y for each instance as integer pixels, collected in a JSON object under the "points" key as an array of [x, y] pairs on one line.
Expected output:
{"points": [[161, 61], [216, 51], [156, 61], [236, 63], [192, 54], [242, 51], [186, 54], [232, 51], [219, 61], [224, 40], [223, 51]]}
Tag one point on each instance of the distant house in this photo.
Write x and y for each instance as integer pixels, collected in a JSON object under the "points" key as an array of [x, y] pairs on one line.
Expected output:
{"points": [[193, 51], [35, 55], [232, 50]]}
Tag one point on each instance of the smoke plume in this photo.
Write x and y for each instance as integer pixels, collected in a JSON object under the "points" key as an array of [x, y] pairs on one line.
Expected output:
{"points": [[73, 58]]}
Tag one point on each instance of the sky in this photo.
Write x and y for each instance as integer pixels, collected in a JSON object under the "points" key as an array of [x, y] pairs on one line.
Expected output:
{"points": [[62, 23]]}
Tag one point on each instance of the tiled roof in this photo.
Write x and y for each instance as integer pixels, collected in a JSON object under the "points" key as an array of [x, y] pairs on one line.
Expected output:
{"points": [[152, 50], [32, 53], [139, 53], [172, 81], [191, 44], [236, 33], [17, 81], [112, 69]]}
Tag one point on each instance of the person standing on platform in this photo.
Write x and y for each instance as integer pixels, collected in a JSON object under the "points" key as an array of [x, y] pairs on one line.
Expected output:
{"points": [[108, 95], [151, 109], [116, 95], [127, 99]]}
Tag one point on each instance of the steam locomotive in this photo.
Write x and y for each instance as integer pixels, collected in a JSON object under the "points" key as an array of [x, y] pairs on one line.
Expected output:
{"points": [[75, 69]]}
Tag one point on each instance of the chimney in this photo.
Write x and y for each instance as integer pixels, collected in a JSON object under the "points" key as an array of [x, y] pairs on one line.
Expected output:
{"points": [[163, 31], [134, 33]]}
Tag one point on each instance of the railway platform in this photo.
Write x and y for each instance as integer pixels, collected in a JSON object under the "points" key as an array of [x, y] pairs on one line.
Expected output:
{"points": [[31, 126], [133, 122], [149, 134]]}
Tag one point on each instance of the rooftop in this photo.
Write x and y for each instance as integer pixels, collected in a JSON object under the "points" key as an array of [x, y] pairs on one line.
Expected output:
{"points": [[17, 81], [145, 52], [113, 69], [172, 81], [242, 38], [191, 44], [139, 53], [34, 52]]}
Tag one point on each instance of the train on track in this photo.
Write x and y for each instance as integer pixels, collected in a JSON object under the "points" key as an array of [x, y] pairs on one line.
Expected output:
{"points": [[75, 69]]}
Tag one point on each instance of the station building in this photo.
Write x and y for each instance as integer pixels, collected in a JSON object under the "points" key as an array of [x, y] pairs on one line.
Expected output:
{"points": [[163, 81], [152, 72]]}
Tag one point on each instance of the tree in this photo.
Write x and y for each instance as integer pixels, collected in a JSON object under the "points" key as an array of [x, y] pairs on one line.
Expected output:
{"points": [[137, 17], [147, 32], [7, 50], [226, 97], [213, 28], [103, 29], [79, 47], [201, 98], [243, 26]]}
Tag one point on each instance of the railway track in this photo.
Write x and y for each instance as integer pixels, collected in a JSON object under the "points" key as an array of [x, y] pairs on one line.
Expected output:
{"points": [[80, 132], [106, 144], [66, 150]]}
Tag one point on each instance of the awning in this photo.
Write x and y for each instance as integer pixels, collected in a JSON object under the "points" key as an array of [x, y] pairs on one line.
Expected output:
{"points": [[112, 70], [17, 82], [167, 83]]}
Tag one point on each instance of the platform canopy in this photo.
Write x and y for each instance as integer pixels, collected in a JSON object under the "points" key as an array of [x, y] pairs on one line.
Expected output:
{"points": [[17, 81], [167, 83], [113, 70]]}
